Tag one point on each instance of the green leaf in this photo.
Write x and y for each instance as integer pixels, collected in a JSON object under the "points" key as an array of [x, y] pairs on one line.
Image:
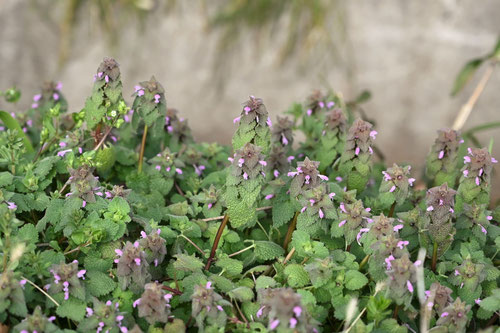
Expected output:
{"points": [[296, 275], [5, 178], [12, 124], [230, 266], [73, 309], [491, 303], [355, 280], [264, 282], [187, 263], [265, 250], [242, 294], [28, 233], [465, 75], [99, 283]]}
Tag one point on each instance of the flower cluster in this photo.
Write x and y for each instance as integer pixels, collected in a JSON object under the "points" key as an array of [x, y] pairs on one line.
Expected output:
{"points": [[248, 162], [83, 183], [438, 297], [67, 279], [402, 279], [475, 180], [154, 304], [442, 159], [154, 246], [305, 177], [396, 184], [454, 317], [149, 101], [332, 140], [207, 306], [281, 132], [37, 322], [132, 266], [49, 97], [108, 71], [283, 309], [468, 277], [178, 128], [317, 101], [356, 160], [254, 123], [103, 317], [437, 224], [278, 162], [168, 163], [353, 217]]}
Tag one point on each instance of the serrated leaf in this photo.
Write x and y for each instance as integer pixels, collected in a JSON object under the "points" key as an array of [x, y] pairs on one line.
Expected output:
{"points": [[230, 266], [187, 263], [242, 294], [264, 282], [28, 233], [72, 308], [355, 280], [297, 276], [265, 250], [99, 283]]}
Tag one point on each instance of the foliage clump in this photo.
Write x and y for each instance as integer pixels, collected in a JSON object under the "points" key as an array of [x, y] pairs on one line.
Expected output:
{"points": [[118, 220]]}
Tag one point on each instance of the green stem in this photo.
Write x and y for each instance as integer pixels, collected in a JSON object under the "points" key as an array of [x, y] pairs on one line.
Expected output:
{"points": [[143, 145], [241, 251], [364, 261]]}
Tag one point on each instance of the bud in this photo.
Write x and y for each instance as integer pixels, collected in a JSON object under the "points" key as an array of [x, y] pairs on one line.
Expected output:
{"points": [[353, 216], [207, 306], [306, 177], [83, 183], [67, 279], [103, 317], [277, 162], [454, 316], [36, 322], [332, 139], [154, 247], [401, 280]]}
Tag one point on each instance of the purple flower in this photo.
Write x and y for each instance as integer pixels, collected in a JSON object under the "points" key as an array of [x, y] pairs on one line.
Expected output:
{"points": [[274, 324], [466, 173], [62, 144], [321, 214], [140, 92], [245, 175], [63, 152], [493, 160], [417, 263], [84, 203], [483, 230], [263, 163], [360, 233], [236, 120], [303, 209], [208, 285], [331, 195], [276, 173], [22, 283], [259, 312], [157, 98], [430, 209], [269, 196], [119, 252], [466, 159], [398, 227], [393, 188], [356, 152], [309, 112], [179, 171], [90, 312], [321, 104], [55, 96], [37, 97], [136, 302], [293, 322], [210, 205], [297, 310], [80, 150], [444, 314], [342, 207], [158, 167], [290, 158], [284, 139], [409, 286], [11, 205], [388, 261], [402, 244], [441, 154], [411, 181], [325, 178], [477, 301], [489, 217], [330, 105], [373, 134], [477, 181], [342, 223], [81, 274], [269, 122]]}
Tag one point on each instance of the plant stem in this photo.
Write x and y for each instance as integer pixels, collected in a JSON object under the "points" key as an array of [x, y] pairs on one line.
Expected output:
{"points": [[216, 241], [143, 146], [391, 212], [291, 229], [241, 251], [395, 314], [466, 109], [289, 255], [41, 290], [172, 290], [434, 257], [192, 243], [364, 261]]}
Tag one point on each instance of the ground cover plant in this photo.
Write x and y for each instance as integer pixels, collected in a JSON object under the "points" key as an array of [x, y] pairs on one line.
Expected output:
{"points": [[114, 219]]}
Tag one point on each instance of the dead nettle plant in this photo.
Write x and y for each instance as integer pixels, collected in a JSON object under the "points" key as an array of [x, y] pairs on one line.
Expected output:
{"points": [[117, 220]]}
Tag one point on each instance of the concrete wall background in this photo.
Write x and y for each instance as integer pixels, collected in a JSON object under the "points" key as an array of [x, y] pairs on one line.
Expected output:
{"points": [[407, 53]]}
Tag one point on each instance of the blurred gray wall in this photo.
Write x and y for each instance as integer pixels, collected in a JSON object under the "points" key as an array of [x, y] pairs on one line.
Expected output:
{"points": [[407, 53]]}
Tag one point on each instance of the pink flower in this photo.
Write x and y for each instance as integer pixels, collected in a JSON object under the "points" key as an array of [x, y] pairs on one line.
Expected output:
{"points": [[274, 324], [477, 301], [269, 122], [321, 214], [263, 163], [293, 322], [245, 175], [342, 223], [388, 261], [441, 154], [417, 263], [11, 205], [323, 177], [259, 312], [356, 152], [63, 152], [402, 244], [37, 97], [140, 92], [373, 134], [489, 217], [84, 203], [466, 173], [360, 233], [297, 310], [444, 314], [410, 286], [179, 171], [309, 112], [157, 98], [236, 120], [55, 96], [398, 227], [411, 181], [136, 302], [269, 196], [466, 159], [276, 173], [430, 209], [81, 274], [393, 188], [342, 207]]}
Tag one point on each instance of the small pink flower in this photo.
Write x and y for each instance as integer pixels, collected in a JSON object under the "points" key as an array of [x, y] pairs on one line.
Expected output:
{"points": [[493, 160], [441, 154], [489, 217], [411, 181], [236, 120], [417, 263], [309, 112], [259, 312], [84, 203], [398, 227], [179, 171], [466, 159], [330, 104], [136, 302], [297, 310], [157, 98], [342, 207], [55, 96], [208, 285], [119, 252], [388, 261], [11, 205], [269, 196], [342, 223], [444, 314], [356, 152], [245, 175], [477, 181], [274, 324], [466, 173], [477, 301], [263, 163], [137, 261], [373, 134], [293, 322], [140, 93], [323, 177], [430, 209], [410, 286], [360, 233], [276, 173], [269, 122], [321, 214], [37, 97], [393, 188]]}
